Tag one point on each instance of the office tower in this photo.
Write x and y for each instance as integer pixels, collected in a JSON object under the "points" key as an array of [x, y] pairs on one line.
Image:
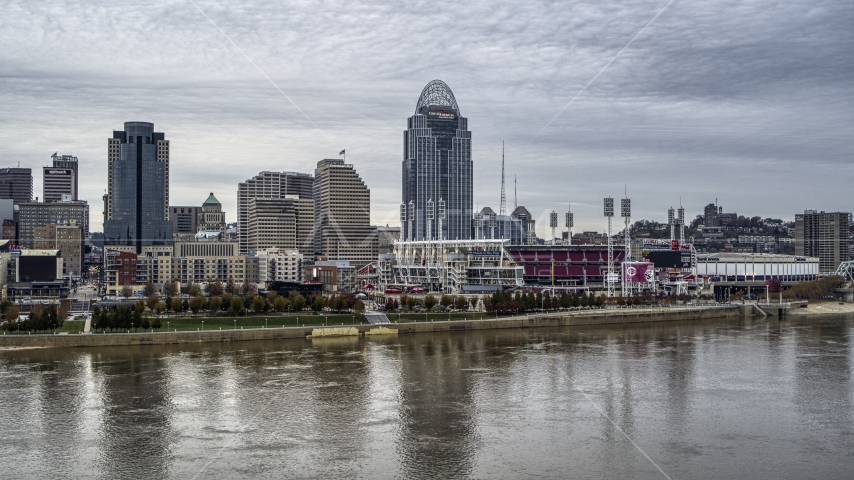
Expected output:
{"points": [[68, 239], [211, 218], [60, 179], [16, 184], [138, 187], [342, 214], [516, 227], [32, 215], [10, 231], [280, 223], [437, 167], [267, 185], [822, 235], [7, 209], [185, 220], [710, 215]]}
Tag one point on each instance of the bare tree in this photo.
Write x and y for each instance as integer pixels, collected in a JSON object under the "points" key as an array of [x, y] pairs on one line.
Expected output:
{"points": [[230, 286], [215, 287], [127, 291]]}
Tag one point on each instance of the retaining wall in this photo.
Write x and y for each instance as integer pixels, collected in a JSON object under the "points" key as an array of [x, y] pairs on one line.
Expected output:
{"points": [[595, 317]]}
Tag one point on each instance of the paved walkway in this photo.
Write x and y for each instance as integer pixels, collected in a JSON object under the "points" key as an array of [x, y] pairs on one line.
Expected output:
{"points": [[376, 318]]}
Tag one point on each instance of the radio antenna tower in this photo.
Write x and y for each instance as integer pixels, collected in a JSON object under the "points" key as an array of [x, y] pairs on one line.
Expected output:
{"points": [[515, 198], [503, 209]]}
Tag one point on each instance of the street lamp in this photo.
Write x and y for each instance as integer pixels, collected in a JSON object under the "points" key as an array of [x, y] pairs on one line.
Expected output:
{"points": [[203, 325]]}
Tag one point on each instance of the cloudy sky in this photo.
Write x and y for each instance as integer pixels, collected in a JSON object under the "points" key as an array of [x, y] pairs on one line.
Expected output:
{"points": [[748, 102]]}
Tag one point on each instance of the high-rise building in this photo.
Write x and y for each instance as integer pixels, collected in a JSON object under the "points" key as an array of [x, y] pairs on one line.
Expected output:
{"points": [[280, 223], [710, 215], [68, 239], [518, 227], [60, 179], [342, 214], [386, 236], [7, 209], [212, 218], [185, 220], [437, 168], [17, 184], [32, 215], [822, 235], [138, 187], [267, 185], [279, 264]]}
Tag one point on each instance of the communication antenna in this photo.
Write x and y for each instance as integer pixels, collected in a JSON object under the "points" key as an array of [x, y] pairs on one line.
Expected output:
{"points": [[515, 199], [502, 210], [609, 277]]}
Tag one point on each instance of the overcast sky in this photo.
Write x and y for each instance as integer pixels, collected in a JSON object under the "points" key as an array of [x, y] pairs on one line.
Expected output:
{"points": [[748, 102]]}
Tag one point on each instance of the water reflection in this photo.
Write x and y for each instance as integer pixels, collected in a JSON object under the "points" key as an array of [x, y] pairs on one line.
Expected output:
{"points": [[743, 398]]}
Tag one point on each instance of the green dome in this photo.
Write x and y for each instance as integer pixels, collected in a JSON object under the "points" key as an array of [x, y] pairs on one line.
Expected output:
{"points": [[211, 200]]}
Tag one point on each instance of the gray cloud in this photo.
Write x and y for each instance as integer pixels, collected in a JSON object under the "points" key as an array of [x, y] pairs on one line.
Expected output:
{"points": [[749, 102]]}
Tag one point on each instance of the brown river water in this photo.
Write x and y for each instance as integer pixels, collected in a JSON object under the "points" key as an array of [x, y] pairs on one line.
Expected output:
{"points": [[736, 398]]}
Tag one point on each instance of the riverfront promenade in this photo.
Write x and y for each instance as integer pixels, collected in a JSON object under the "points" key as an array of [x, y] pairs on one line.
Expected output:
{"points": [[487, 322]]}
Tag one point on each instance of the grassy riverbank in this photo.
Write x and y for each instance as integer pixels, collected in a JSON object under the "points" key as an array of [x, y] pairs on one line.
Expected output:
{"points": [[188, 324]]}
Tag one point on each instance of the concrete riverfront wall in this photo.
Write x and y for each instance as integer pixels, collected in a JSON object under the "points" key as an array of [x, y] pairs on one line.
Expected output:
{"points": [[590, 317], [601, 317]]}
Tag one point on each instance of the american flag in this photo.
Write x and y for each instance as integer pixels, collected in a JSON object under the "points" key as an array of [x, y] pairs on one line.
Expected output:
{"points": [[341, 152]]}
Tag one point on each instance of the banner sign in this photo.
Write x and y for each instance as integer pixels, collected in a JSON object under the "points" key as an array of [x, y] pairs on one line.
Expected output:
{"points": [[638, 272]]}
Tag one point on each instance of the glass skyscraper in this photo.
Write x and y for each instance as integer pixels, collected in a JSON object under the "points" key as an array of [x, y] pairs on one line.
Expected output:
{"points": [[437, 169], [137, 203]]}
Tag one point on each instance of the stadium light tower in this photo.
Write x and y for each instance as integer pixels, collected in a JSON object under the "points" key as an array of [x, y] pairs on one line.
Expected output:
{"points": [[670, 220], [626, 213], [492, 225], [569, 224], [681, 226], [410, 216], [430, 215], [553, 224], [441, 235], [609, 277], [403, 218], [478, 226]]}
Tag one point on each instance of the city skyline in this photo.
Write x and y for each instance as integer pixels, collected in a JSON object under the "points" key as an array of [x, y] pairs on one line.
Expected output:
{"points": [[698, 106]]}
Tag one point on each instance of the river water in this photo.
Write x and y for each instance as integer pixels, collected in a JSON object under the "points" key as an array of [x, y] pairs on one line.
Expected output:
{"points": [[746, 398]]}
